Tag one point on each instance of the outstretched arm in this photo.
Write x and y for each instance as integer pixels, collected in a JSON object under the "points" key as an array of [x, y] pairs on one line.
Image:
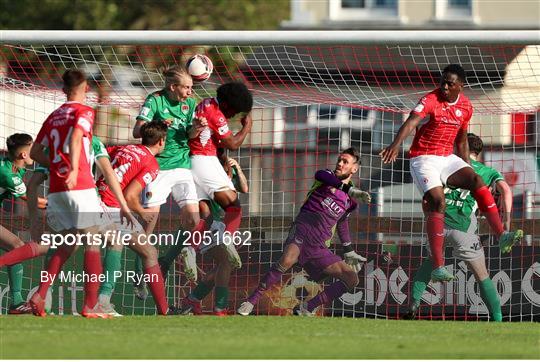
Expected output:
{"points": [[233, 142], [243, 186], [506, 206], [390, 153], [351, 257], [327, 177]]}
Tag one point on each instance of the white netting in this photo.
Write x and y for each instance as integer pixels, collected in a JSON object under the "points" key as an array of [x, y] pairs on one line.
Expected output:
{"points": [[312, 101]]}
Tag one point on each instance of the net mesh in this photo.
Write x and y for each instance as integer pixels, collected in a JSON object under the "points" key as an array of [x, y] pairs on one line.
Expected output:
{"points": [[311, 102]]}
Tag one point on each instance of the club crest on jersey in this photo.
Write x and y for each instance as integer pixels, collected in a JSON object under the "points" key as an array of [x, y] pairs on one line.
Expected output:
{"points": [[223, 129], [332, 190], [185, 108], [458, 112]]}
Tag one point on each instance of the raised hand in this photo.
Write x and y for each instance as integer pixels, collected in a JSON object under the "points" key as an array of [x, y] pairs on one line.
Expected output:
{"points": [[389, 154]]}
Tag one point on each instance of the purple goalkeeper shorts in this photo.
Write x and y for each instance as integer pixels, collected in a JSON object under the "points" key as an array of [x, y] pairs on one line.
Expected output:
{"points": [[314, 255]]}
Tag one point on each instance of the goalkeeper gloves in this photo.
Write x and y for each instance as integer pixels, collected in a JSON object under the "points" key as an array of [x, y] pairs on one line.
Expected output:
{"points": [[361, 196], [356, 193], [354, 260]]}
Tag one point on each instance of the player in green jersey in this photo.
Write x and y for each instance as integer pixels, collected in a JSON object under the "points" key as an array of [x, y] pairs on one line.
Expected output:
{"points": [[12, 170], [173, 106], [460, 232], [222, 252]]}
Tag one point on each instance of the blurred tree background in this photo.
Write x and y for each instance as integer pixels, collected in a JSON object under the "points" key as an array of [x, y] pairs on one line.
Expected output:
{"points": [[143, 14], [42, 65], [138, 15]]}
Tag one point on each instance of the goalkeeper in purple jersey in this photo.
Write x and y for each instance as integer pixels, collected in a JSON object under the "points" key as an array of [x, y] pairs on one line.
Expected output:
{"points": [[326, 209]]}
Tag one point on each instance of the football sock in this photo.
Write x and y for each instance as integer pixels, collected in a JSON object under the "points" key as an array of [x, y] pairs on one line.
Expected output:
{"points": [[329, 293], [201, 291], [112, 264], [15, 273], [435, 232], [487, 205], [420, 281], [54, 266], [272, 277], [172, 252], [25, 252], [221, 298], [49, 255], [232, 219], [489, 295], [157, 288], [92, 266]]}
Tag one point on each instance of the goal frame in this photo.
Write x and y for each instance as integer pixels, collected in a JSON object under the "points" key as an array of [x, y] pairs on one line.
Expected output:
{"points": [[225, 37]]}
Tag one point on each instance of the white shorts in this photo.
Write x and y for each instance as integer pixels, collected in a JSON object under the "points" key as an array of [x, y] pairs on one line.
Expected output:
{"points": [[114, 215], [216, 230], [179, 181], [78, 209], [209, 176], [430, 171], [465, 246]]}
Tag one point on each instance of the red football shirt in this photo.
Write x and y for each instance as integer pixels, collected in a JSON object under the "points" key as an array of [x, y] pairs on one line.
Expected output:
{"points": [[55, 133], [208, 140], [437, 136], [131, 162]]}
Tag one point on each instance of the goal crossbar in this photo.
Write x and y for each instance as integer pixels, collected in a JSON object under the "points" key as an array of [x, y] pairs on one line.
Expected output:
{"points": [[352, 37]]}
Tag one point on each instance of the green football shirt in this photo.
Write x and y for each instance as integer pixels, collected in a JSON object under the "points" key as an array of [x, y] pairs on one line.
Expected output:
{"points": [[11, 180], [158, 107], [461, 206]]}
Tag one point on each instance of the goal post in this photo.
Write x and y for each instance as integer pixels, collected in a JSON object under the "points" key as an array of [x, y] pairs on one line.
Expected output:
{"points": [[315, 93]]}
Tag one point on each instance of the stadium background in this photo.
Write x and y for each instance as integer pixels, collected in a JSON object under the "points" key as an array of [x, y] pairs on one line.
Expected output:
{"points": [[311, 102]]}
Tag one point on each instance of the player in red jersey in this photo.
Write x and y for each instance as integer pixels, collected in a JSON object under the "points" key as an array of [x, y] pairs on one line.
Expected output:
{"points": [[73, 204], [433, 164], [135, 167], [211, 131]]}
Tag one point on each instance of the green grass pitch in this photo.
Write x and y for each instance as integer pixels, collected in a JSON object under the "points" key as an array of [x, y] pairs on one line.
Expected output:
{"points": [[262, 337]]}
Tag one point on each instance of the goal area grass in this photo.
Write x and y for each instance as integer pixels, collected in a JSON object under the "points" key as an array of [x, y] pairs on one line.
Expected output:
{"points": [[235, 337]]}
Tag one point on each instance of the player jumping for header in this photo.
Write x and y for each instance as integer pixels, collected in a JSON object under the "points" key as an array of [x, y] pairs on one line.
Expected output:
{"points": [[460, 232], [173, 106], [434, 165], [210, 132], [327, 208]]}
